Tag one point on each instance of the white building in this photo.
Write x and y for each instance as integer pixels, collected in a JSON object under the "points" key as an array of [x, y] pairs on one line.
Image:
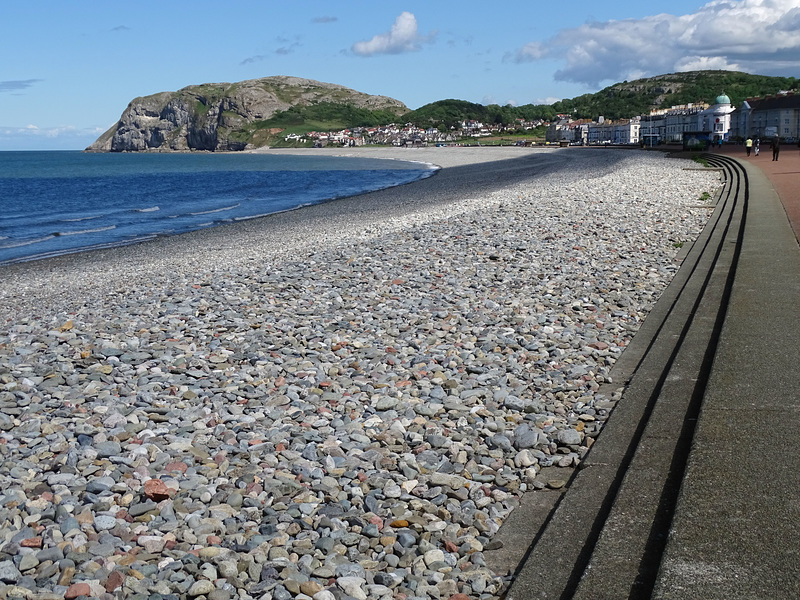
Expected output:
{"points": [[681, 119], [622, 132], [627, 131], [653, 128], [559, 130], [717, 118]]}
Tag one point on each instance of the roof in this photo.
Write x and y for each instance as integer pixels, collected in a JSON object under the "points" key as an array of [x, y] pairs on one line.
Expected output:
{"points": [[775, 102]]}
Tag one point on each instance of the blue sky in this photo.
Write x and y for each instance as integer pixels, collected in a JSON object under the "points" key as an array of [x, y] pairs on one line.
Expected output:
{"points": [[69, 69]]}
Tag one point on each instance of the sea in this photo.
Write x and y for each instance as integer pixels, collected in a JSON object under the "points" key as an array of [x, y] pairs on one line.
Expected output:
{"points": [[60, 202]]}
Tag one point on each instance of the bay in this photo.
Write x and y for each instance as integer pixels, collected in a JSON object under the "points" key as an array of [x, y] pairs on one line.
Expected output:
{"points": [[54, 203]]}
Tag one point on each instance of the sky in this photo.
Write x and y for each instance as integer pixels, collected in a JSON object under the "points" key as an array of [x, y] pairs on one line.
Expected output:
{"points": [[69, 69]]}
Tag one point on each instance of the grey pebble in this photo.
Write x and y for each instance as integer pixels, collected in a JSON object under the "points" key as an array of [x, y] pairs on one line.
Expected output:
{"points": [[8, 572]]}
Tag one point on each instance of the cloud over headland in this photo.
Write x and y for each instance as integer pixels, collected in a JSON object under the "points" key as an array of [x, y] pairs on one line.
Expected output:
{"points": [[757, 36], [403, 37]]}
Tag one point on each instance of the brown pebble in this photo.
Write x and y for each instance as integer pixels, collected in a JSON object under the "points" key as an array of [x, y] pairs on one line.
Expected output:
{"points": [[176, 466], [309, 588], [156, 490], [114, 581], [66, 576], [78, 589], [400, 523]]}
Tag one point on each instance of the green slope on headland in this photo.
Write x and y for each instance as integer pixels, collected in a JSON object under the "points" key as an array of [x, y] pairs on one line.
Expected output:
{"points": [[621, 100]]}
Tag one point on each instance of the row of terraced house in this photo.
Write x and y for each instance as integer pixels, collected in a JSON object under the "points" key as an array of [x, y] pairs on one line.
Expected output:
{"points": [[764, 118], [408, 134]]}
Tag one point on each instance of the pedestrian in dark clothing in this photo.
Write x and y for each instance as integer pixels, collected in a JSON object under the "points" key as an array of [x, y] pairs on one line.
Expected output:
{"points": [[776, 147]]}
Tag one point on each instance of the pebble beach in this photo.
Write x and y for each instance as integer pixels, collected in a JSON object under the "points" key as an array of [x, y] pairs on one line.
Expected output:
{"points": [[342, 401]]}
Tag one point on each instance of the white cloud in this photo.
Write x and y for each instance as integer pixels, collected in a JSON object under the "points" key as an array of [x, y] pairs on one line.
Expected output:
{"points": [[531, 51], [490, 99], [758, 36], [706, 63], [402, 37]]}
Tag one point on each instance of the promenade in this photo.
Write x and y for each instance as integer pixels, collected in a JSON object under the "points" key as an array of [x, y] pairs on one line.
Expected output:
{"points": [[783, 175], [737, 522], [691, 490]]}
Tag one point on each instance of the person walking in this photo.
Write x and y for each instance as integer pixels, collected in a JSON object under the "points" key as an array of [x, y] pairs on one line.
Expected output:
{"points": [[757, 146], [748, 145], [776, 147]]}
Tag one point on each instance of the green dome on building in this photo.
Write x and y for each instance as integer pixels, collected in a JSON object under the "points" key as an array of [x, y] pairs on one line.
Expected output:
{"points": [[722, 99]]}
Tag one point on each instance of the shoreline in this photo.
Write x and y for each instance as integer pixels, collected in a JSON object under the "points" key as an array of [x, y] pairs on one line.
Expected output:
{"points": [[314, 195], [277, 234]]}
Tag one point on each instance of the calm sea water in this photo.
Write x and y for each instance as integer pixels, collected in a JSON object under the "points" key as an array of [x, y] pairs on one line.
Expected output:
{"points": [[55, 203]]}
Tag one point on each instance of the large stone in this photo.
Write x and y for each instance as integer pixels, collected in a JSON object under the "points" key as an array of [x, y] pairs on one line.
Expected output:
{"points": [[202, 587], [352, 586], [569, 437], [156, 490], [8, 572]]}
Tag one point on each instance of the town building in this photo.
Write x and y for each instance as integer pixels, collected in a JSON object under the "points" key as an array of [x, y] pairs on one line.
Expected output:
{"points": [[681, 119], [624, 131], [671, 124], [653, 128], [716, 119], [767, 117], [559, 129]]}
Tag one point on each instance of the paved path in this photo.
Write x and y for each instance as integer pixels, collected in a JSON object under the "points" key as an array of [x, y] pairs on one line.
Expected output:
{"points": [[784, 175], [736, 530]]}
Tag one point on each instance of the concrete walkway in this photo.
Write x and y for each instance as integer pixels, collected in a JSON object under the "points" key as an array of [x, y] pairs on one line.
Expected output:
{"points": [[736, 530]]}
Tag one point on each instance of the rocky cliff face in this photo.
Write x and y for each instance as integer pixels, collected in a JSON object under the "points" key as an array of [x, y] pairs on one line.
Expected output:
{"points": [[220, 116]]}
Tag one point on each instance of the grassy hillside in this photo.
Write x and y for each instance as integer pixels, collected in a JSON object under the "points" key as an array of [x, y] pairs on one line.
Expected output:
{"points": [[325, 116], [448, 113], [631, 98], [621, 100]]}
